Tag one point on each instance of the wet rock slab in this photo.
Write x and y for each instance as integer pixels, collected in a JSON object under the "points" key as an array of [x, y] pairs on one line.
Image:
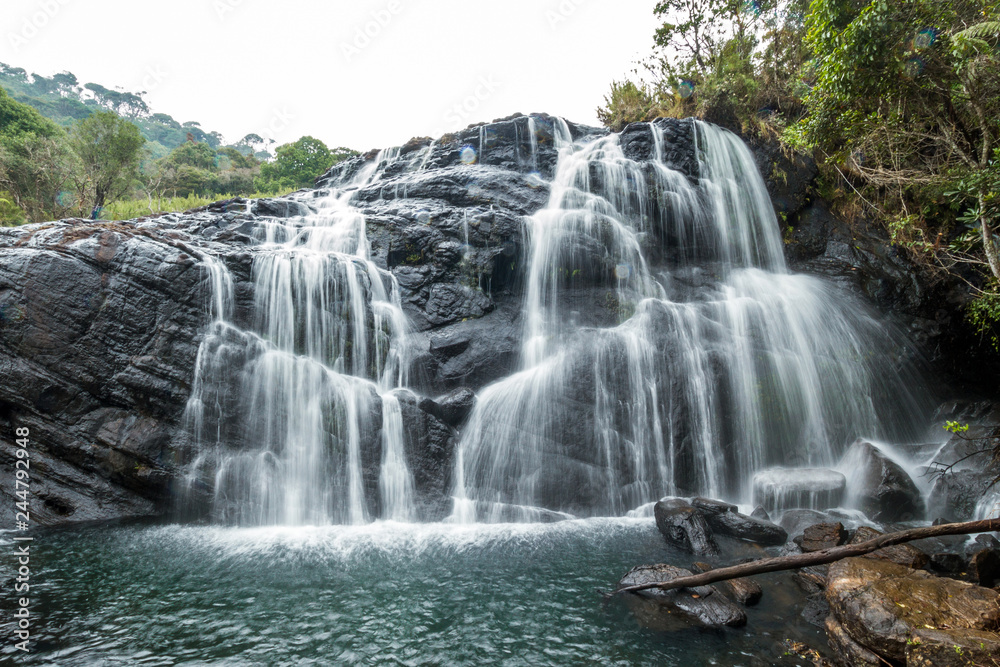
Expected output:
{"points": [[882, 606], [684, 526], [703, 605]]}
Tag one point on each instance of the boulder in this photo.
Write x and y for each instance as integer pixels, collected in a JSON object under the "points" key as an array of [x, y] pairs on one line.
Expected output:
{"points": [[745, 591], [955, 494], [741, 526], [760, 513], [947, 563], [879, 487], [821, 536], [882, 605], [710, 507], [704, 605], [848, 651], [952, 648], [796, 521], [779, 489], [684, 526], [904, 554]]}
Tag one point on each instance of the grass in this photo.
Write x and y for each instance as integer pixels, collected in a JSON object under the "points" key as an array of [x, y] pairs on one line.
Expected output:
{"points": [[137, 208]]}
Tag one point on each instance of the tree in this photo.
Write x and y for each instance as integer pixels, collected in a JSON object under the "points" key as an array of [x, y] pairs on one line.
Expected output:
{"points": [[36, 165], [907, 98], [299, 164], [110, 149]]}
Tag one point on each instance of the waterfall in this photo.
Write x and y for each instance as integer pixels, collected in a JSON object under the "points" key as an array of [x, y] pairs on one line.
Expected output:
{"points": [[288, 402], [720, 363], [698, 360]]}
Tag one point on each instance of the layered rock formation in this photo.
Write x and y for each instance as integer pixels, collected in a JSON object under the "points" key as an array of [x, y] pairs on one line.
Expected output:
{"points": [[100, 322]]}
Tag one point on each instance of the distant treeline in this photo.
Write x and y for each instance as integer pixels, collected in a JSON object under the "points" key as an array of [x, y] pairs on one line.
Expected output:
{"points": [[70, 150]]}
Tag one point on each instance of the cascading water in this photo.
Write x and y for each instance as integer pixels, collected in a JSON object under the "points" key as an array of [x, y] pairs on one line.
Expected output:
{"points": [[282, 409], [724, 362], [711, 363]]}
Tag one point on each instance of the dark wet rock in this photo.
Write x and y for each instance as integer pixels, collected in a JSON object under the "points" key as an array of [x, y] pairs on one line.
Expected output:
{"points": [[952, 648], [984, 564], [904, 554], [745, 591], [453, 408], [704, 605], [816, 610], [847, 651], [821, 536], [883, 490], [796, 521], [779, 489], [810, 580], [881, 604], [279, 208], [430, 445], [743, 527], [684, 526], [956, 494], [710, 507], [760, 513], [947, 563]]}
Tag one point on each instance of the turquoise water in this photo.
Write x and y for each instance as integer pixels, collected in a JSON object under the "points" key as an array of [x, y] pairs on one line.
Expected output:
{"points": [[383, 594]]}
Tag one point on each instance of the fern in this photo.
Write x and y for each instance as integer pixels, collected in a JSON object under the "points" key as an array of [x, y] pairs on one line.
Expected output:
{"points": [[980, 31]]}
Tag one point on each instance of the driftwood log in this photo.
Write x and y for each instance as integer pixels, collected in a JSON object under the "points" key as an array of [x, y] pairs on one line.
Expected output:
{"points": [[817, 557]]}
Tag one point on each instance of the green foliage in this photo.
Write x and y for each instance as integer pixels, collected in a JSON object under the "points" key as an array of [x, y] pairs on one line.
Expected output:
{"points": [[726, 60], [299, 164], [110, 149], [983, 313], [955, 427], [136, 208], [628, 103]]}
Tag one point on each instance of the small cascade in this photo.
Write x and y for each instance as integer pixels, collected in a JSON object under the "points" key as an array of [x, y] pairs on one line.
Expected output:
{"points": [[720, 365], [395, 480], [288, 409]]}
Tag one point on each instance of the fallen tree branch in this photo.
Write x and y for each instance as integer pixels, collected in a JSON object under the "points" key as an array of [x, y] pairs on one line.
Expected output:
{"points": [[817, 557]]}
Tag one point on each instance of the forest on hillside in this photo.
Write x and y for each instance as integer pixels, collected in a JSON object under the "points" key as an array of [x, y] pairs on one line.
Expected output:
{"points": [[72, 150]]}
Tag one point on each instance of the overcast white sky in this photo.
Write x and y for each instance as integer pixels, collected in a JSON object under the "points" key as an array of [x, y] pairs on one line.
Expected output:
{"points": [[299, 67]]}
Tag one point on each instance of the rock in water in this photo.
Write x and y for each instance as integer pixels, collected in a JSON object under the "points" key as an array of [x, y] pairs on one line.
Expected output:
{"points": [[821, 536], [883, 605], [743, 527], [684, 526], [745, 591], [704, 604], [880, 488], [904, 554]]}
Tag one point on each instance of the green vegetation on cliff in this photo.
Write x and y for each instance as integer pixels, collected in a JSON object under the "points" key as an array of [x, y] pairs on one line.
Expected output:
{"points": [[899, 101]]}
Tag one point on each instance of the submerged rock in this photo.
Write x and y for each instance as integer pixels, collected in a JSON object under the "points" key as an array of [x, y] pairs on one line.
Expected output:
{"points": [[883, 605], [684, 526], [704, 605]]}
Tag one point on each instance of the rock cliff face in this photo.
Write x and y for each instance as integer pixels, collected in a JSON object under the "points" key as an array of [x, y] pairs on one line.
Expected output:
{"points": [[100, 322]]}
